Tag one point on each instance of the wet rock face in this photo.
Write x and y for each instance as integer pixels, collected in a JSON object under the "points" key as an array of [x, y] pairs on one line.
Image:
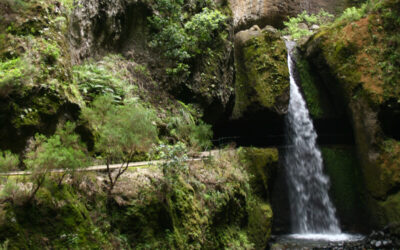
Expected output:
{"points": [[122, 27], [273, 12], [337, 54], [262, 77], [118, 26]]}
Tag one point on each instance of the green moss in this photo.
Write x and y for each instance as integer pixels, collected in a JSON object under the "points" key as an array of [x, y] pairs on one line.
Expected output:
{"points": [[341, 166], [213, 208], [317, 101], [261, 73], [260, 222], [59, 219], [388, 210], [387, 174], [35, 71], [361, 53], [259, 162]]}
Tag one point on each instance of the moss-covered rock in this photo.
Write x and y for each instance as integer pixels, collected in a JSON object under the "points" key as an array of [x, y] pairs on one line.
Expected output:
{"points": [[212, 208], [57, 219], [355, 59], [317, 99], [389, 210], [260, 223], [341, 165], [262, 77], [261, 163], [35, 70]]}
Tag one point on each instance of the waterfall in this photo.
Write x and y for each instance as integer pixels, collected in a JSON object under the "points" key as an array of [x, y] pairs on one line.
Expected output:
{"points": [[311, 209]]}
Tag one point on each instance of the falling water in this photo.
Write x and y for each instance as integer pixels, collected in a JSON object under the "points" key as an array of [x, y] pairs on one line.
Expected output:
{"points": [[311, 209]]}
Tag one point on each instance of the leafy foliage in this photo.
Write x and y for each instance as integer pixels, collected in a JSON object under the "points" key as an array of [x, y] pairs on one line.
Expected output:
{"points": [[184, 127], [175, 157], [63, 151], [12, 193], [13, 73], [8, 161], [352, 14], [201, 28], [103, 78], [120, 131], [356, 13], [296, 31], [181, 35]]}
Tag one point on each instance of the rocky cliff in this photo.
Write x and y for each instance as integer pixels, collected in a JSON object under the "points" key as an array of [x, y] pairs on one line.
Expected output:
{"points": [[355, 59], [273, 12]]}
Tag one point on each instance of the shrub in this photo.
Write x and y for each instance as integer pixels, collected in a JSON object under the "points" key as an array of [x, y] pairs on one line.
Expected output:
{"points": [[8, 161], [102, 78], [184, 127], [120, 131], [201, 28], [352, 14], [175, 157], [11, 192], [201, 136], [13, 73], [182, 36], [62, 151], [297, 32]]}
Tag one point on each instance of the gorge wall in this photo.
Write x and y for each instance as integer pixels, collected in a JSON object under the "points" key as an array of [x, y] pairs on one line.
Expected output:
{"points": [[274, 12], [55, 58], [360, 77]]}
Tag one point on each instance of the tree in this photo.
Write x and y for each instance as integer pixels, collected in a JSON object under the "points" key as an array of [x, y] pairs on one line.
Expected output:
{"points": [[8, 161], [63, 151], [120, 132]]}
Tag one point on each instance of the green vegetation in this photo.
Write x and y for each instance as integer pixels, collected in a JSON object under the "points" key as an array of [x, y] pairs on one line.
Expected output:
{"points": [[360, 50], [317, 102], [12, 74], [184, 127], [123, 112], [365, 38], [34, 57], [356, 13], [63, 151], [262, 76], [299, 27], [388, 210], [183, 33], [261, 164], [8, 161], [162, 207], [120, 132], [341, 166]]}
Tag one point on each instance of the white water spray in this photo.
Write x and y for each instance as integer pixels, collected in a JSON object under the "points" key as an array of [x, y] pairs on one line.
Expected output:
{"points": [[311, 209]]}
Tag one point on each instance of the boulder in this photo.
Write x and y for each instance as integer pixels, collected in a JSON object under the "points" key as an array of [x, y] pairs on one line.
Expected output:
{"points": [[356, 75], [262, 77]]}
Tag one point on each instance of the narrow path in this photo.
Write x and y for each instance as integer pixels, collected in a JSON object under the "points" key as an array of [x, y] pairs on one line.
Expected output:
{"points": [[200, 157]]}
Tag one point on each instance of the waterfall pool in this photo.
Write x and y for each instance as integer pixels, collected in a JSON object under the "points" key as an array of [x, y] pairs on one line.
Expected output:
{"points": [[317, 241], [325, 237]]}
